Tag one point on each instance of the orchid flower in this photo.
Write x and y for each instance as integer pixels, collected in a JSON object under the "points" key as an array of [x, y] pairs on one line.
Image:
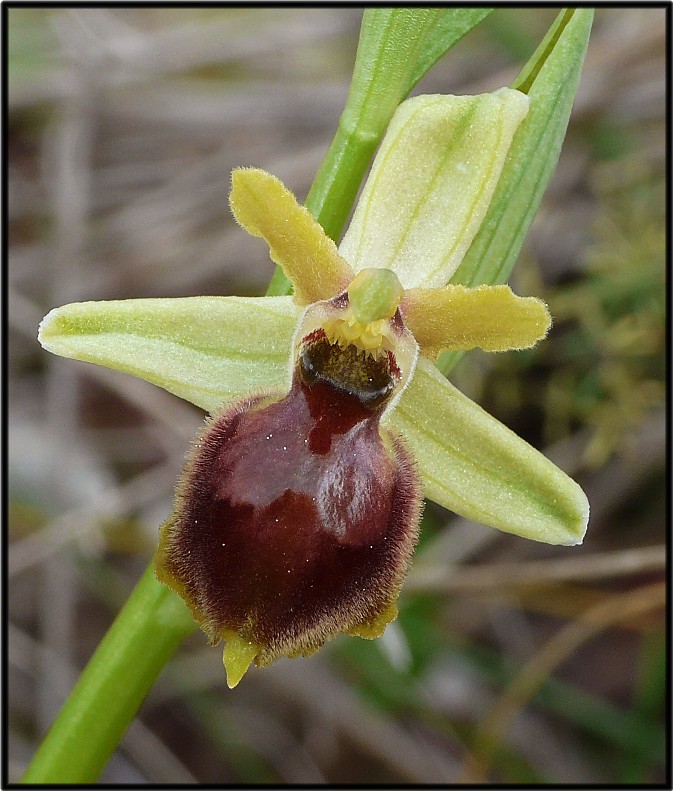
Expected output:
{"points": [[298, 509]]}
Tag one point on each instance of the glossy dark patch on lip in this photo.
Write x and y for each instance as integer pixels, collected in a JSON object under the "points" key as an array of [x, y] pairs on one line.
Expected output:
{"points": [[369, 380]]}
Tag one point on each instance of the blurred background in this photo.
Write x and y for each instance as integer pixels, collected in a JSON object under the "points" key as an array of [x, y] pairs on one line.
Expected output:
{"points": [[511, 661]]}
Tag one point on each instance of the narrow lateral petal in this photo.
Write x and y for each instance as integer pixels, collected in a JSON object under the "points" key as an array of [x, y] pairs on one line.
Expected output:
{"points": [[419, 213], [203, 349], [266, 208], [474, 465], [488, 317]]}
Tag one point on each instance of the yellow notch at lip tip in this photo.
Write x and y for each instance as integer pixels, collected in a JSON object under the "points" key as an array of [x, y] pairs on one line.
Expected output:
{"points": [[237, 658], [375, 628]]}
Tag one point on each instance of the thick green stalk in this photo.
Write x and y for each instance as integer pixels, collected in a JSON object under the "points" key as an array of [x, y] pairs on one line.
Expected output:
{"points": [[145, 634]]}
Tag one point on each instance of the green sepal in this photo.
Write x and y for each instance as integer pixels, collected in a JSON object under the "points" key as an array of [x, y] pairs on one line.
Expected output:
{"points": [[431, 184], [203, 349], [474, 465]]}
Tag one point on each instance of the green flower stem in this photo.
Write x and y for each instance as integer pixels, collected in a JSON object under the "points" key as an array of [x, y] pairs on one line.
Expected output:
{"points": [[145, 634], [336, 184]]}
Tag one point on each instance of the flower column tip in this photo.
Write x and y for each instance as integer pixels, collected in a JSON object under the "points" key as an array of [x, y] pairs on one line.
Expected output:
{"points": [[374, 294]]}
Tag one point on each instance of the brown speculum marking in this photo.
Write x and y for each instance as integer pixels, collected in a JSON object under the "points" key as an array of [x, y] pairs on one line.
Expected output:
{"points": [[368, 379]]}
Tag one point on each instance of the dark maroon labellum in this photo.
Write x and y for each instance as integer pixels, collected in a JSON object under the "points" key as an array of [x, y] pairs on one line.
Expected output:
{"points": [[296, 518]]}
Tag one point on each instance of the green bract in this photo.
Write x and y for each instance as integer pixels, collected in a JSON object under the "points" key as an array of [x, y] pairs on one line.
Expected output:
{"points": [[397, 47]]}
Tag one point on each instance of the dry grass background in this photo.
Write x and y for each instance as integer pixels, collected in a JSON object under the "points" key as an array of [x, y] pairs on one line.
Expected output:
{"points": [[511, 661]]}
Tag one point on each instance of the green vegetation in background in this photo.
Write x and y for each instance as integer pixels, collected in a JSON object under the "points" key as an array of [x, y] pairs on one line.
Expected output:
{"points": [[31, 44], [611, 725], [222, 730], [609, 353], [637, 764], [637, 734]]}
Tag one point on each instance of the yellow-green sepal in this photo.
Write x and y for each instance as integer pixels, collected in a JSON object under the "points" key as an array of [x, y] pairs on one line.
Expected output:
{"points": [[474, 465], [419, 211], [203, 349]]}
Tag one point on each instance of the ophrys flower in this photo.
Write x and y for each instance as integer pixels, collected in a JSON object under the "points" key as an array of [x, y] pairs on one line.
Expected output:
{"points": [[297, 513]]}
